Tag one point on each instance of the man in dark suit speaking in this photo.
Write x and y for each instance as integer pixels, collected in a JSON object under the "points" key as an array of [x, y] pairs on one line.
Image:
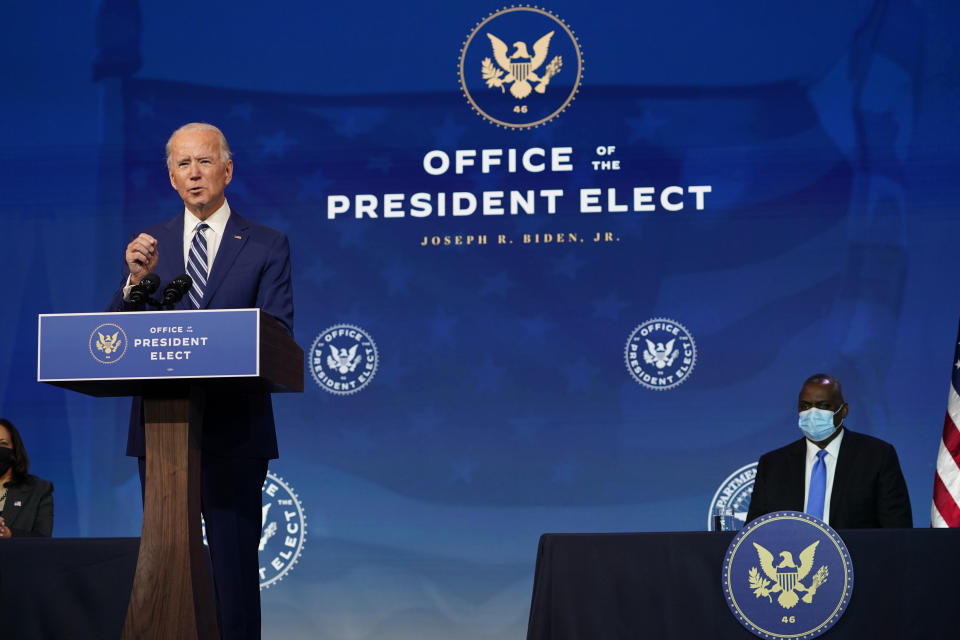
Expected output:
{"points": [[234, 263], [847, 479]]}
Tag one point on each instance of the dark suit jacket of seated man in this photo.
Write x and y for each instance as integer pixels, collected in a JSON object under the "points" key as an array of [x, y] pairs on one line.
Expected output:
{"points": [[868, 489], [250, 268]]}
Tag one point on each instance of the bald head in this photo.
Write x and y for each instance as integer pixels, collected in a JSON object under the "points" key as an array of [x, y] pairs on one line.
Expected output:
{"points": [[826, 384]]}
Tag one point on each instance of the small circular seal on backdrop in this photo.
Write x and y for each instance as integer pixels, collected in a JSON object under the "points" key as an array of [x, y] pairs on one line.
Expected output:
{"points": [[343, 359], [660, 354], [734, 494]]}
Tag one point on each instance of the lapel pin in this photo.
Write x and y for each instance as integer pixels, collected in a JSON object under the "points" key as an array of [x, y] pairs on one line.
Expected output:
{"points": [[238, 237], [17, 503]]}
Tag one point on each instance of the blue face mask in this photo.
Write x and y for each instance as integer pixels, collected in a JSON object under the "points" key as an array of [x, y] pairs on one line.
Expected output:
{"points": [[817, 424]]}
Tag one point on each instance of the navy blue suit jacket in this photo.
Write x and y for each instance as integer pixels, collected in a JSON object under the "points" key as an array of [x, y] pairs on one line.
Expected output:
{"points": [[868, 486], [251, 269]]}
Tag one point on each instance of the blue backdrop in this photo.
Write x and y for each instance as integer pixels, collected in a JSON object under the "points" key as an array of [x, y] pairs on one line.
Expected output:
{"points": [[501, 406]]}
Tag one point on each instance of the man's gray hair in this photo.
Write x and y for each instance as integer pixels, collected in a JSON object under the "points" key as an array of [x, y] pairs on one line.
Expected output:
{"points": [[225, 153]]}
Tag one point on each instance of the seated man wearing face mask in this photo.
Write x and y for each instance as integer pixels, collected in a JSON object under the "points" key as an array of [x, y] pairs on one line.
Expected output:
{"points": [[848, 480]]}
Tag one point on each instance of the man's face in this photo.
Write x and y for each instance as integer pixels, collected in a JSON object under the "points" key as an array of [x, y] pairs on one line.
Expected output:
{"points": [[197, 172], [822, 395]]}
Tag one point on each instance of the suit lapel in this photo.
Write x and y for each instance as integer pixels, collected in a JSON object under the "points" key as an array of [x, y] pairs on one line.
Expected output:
{"points": [[796, 463], [14, 505], [233, 240], [170, 245], [842, 473]]}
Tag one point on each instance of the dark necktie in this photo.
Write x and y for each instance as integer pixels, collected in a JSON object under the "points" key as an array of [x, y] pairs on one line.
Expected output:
{"points": [[197, 265]]}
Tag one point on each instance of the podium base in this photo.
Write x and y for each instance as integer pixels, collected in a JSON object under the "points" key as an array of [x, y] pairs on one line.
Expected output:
{"points": [[172, 595]]}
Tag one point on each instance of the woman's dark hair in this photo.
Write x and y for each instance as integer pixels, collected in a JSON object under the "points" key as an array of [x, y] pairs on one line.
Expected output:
{"points": [[21, 461]]}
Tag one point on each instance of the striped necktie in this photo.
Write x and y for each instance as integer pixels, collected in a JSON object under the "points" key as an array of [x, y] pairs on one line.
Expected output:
{"points": [[197, 265], [818, 486]]}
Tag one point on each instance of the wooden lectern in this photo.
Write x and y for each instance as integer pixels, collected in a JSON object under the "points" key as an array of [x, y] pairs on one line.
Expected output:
{"points": [[121, 354]]}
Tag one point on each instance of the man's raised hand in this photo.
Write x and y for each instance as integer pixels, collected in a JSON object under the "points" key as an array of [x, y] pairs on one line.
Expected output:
{"points": [[142, 257]]}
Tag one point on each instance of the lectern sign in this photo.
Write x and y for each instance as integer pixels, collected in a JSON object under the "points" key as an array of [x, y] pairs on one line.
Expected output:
{"points": [[148, 344], [172, 360], [787, 575]]}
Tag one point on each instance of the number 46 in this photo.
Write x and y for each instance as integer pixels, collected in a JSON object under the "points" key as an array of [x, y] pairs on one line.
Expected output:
{"points": [[790, 619]]}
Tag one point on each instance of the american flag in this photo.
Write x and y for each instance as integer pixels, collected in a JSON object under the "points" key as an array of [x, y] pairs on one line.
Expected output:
{"points": [[946, 485]]}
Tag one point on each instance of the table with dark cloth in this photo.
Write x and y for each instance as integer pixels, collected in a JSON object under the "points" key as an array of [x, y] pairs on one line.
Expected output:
{"points": [[668, 585], [65, 588]]}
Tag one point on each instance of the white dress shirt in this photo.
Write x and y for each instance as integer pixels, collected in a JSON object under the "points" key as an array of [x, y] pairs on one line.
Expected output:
{"points": [[218, 224], [830, 461]]}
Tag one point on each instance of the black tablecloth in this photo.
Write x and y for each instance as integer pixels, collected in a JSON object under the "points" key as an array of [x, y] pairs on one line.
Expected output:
{"points": [[65, 588], [667, 585]]}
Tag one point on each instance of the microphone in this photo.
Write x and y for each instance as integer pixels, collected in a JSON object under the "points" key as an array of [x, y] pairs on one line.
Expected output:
{"points": [[141, 291], [177, 288]]}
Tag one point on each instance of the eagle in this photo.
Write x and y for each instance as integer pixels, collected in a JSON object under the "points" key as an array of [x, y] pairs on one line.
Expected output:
{"points": [[343, 361], [660, 354], [787, 575], [520, 66], [269, 531], [108, 345]]}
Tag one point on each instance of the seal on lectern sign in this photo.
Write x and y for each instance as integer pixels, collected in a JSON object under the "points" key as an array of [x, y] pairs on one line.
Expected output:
{"points": [[108, 343]]}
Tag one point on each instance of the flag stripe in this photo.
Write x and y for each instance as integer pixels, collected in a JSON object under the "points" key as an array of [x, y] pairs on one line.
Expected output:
{"points": [[944, 504], [936, 520], [951, 435], [945, 510], [948, 471], [953, 405]]}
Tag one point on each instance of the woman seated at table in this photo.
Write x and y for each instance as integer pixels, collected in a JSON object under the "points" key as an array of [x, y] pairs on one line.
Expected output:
{"points": [[26, 501]]}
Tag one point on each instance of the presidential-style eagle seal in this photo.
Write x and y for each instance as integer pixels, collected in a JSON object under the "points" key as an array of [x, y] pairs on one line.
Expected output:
{"points": [[283, 530], [520, 67], [343, 359], [660, 354], [108, 343], [787, 575]]}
